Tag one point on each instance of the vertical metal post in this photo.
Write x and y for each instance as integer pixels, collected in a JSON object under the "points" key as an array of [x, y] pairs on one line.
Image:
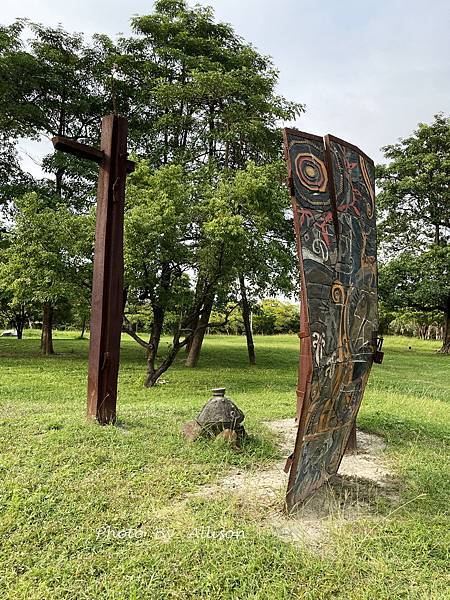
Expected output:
{"points": [[107, 287]]}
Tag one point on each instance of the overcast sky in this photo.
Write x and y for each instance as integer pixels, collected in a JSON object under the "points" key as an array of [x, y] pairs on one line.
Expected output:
{"points": [[368, 70]]}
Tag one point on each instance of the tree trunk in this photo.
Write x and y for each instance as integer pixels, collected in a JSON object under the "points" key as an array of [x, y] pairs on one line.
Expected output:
{"points": [[47, 330], [19, 330], [83, 328], [155, 374], [446, 337], [153, 346], [198, 292], [437, 235], [246, 316], [191, 339], [19, 321], [59, 182], [61, 131], [199, 334]]}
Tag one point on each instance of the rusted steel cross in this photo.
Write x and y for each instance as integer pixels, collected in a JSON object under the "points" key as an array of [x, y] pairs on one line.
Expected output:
{"points": [[107, 285]]}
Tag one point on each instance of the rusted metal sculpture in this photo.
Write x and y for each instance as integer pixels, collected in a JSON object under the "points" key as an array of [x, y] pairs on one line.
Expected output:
{"points": [[107, 285], [333, 198]]}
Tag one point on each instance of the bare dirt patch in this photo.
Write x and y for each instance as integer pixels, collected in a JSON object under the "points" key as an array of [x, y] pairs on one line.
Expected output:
{"points": [[363, 481]]}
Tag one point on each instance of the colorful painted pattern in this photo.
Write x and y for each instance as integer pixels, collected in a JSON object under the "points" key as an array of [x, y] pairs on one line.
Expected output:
{"points": [[333, 194]]}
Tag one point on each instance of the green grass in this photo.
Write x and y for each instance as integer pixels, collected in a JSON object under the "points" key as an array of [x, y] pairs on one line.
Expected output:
{"points": [[63, 479]]}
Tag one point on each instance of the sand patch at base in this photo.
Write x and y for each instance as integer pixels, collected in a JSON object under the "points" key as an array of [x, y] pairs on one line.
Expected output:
{"points": [[362, 481]]}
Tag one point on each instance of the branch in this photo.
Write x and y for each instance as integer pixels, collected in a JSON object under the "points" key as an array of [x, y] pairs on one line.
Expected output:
{"points": [[126, 327], [221, 324]]}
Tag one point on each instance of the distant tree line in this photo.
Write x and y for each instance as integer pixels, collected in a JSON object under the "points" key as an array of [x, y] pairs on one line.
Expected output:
{"points": [[268, 317], [411, 323]]}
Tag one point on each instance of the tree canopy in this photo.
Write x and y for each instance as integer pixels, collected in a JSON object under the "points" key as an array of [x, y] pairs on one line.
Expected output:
{"points": [[414, 201], [415, 222]]}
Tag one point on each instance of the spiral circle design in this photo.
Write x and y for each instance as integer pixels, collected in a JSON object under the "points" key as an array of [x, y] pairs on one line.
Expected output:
{"points": [[312, 172]]}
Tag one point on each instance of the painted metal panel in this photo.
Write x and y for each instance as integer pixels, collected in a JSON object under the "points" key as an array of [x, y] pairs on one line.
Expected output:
{"points": [[333, 197]]}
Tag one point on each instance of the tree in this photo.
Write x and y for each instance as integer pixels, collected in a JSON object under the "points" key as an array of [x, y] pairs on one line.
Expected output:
{"points": [[51, 83], [415, 221], [263, 259], [158, 225], [179, 245], [13, 313], [199, 92], [267, 264], [419, 282], [48, 258], [415, 197], [274, 316], [205, 100]]}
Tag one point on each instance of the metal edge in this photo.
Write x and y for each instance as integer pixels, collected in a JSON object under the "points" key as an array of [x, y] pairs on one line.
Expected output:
{"points": [[307, 339], [305, 378], [342, 142], [292, 131]]}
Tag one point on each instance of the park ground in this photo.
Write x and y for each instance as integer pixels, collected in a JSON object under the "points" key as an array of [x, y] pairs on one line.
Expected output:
{"points": [[90, 512]]}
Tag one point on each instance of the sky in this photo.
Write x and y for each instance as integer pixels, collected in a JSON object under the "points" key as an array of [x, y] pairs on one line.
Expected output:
{"points": [[367, 71]]}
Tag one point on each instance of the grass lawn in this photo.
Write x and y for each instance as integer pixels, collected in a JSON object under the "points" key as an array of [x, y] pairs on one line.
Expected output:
{"points": [[69, 489]]}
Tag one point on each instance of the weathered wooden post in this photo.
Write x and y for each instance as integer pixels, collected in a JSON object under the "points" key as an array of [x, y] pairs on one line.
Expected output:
{"points": [[107, 286]]}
